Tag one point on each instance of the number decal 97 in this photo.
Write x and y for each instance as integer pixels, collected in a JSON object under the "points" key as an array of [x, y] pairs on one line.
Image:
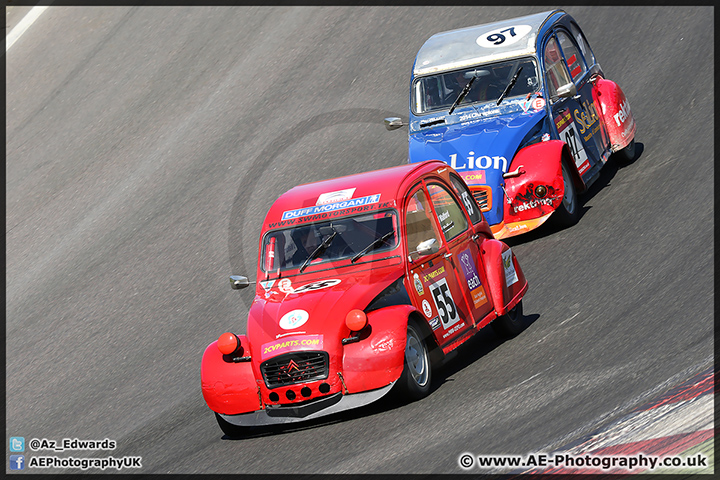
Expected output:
{"points": [[444, 303], [503, 36]]}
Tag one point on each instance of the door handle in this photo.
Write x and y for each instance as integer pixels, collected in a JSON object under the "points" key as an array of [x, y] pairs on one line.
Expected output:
{"points": [[447, 255]]}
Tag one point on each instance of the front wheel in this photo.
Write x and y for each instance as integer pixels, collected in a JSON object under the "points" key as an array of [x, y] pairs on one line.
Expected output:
{"points": [[414, 382], [232, 431], [511, 323], [568, 213]]}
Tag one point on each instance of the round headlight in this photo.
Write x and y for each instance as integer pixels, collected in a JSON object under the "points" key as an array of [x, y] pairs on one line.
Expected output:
{"points": [[228, 343], [541, 191], [356, 320]]}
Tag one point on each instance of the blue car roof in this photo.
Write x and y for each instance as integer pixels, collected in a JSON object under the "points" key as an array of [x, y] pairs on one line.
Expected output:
{"points": [[469, 46]]}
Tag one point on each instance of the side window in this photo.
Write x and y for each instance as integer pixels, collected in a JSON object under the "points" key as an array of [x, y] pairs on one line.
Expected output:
{"points": [[583, 44], [467, 199], [556, 74], [449, 213], [575, 62], [417, 220]]}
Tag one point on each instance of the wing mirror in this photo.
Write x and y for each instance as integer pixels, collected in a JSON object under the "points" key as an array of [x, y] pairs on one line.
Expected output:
{"points": [[238, 281], [428, 247], [566, 91], [391, 123]]}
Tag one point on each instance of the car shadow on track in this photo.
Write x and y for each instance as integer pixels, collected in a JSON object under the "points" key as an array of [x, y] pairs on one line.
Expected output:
{"points": [[482, 343], [608, 172]]}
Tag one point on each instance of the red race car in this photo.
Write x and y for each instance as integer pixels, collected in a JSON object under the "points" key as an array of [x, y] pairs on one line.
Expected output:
{"points": [[361, 281]]}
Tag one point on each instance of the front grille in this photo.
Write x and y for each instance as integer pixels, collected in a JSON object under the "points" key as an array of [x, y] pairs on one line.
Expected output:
{"points": [[483, 197], [296, 367]]}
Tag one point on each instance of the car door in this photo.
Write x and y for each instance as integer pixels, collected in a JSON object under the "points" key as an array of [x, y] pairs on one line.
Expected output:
{"points": [[577, 119], [434, 287], [462, 251]]}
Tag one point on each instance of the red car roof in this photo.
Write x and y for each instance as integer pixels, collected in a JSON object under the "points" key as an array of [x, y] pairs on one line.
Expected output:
{"points": [[375, 188]]}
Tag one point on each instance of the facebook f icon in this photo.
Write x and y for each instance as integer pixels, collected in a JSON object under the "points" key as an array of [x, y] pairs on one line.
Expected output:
{"points": [[17, 462]]}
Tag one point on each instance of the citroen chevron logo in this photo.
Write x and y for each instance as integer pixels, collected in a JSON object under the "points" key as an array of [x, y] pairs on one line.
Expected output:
{"points": [[292, 366]]}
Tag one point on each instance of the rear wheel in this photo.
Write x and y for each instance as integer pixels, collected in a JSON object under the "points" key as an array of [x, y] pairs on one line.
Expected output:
{"points": [[627, 154], [511, 323], [232, 431], [414, 382], [568, 213]]}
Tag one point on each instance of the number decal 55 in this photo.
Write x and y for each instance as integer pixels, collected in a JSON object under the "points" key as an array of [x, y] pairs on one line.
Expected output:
{"points": [[444, 303]]}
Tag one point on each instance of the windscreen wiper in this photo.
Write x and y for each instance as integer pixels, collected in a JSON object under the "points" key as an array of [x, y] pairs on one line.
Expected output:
{"points": [[509, 86], [375, 242], [323, 245], [464, 92]]}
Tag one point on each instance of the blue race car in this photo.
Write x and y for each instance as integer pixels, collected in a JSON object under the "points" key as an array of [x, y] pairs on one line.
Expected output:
{"points": [[522, 110]]}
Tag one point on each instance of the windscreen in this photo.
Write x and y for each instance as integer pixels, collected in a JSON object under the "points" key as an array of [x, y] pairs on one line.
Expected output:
{"points": [[344, 238], [438, 92]]}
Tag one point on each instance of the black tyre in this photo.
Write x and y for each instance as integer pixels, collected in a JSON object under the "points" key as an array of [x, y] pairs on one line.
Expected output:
{"points": [[232, 431], [510, 324], [627, 154], [414, 382], [568, 213]]}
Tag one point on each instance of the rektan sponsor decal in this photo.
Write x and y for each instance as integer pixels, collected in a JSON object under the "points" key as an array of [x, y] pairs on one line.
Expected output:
{"points": [[623, 114], [290, 344], [330, 207]]}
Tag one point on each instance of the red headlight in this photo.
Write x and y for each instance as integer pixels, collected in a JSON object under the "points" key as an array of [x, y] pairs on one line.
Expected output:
{"points": [[228, 343], [356, 320]]}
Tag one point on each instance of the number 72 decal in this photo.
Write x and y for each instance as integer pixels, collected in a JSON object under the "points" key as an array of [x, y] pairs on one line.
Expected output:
{"points": [[444, 303]]}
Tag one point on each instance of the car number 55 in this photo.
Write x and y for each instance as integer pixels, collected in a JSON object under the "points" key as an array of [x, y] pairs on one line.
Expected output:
{"points": [[444, 302]]}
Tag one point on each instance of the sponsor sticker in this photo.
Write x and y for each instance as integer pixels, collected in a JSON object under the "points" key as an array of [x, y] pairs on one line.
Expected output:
{"points": [[475, 177], [434, 273], [290, 344], [568, 133], [510, 273], [330, 207], [267, 284], [294, 319], [285, 285], [332, 197], [418, 284], [435, 323], [309, 287], [427, 309], [473, 280], [538, 103]]}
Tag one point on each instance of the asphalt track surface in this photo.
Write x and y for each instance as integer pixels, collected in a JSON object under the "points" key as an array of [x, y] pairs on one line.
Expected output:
{"points": [[144, 146]]}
